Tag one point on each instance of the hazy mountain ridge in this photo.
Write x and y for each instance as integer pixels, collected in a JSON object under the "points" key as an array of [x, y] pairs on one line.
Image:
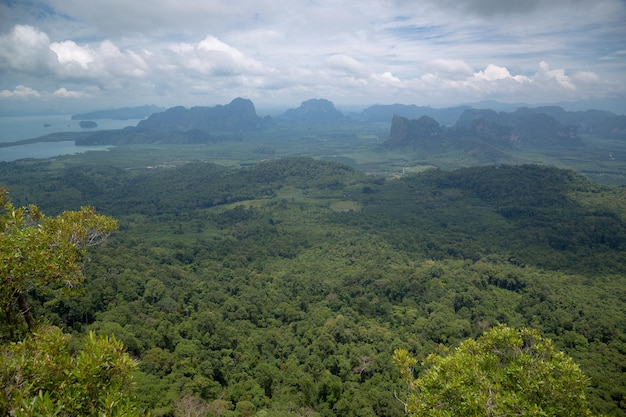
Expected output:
{"points": [[521, 128], [315, 111], [385, 112], [238, 115], [470, 136]]}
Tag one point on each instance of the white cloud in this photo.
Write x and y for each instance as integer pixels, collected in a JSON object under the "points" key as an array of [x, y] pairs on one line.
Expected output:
{"points": [[587, 77], [65, 93], [494, 73], [222, 57], [387, 78], [20, 92], [558, 75], [68, 53], [209, 57], [25, 49]]}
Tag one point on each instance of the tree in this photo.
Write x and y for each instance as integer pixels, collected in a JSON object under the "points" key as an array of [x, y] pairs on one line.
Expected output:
{"points": [[39, 252], [42, 372], [41, 377], [504, 372]]}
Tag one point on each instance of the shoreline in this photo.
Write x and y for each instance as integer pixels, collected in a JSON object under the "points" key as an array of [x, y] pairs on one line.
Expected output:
{"points": [[51, 137]]}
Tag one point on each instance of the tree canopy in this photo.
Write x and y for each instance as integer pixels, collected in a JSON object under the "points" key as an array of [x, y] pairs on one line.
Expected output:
{"points": [[283, 288], [504, 372]]}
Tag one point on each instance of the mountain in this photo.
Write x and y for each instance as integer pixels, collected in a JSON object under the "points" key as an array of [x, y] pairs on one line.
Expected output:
{"points": [[315, 110], [124, 113], [523, 127], [484, 135], [425, 131], [385, 112], [612, 127], [238, 115]]}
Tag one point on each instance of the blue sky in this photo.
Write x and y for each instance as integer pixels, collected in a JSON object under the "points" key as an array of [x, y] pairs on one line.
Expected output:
{"points": [[76, 54]]}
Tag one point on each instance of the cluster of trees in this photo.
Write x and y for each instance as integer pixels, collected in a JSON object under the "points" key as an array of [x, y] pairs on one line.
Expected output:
{"points": [[242, 292], [42, 370]]}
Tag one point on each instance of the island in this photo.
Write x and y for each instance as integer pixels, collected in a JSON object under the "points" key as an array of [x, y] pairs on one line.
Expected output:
{"points": [[88, 124]]}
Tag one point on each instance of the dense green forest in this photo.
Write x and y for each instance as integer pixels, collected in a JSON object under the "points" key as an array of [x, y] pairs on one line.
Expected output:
{"points": [[283, 288]]}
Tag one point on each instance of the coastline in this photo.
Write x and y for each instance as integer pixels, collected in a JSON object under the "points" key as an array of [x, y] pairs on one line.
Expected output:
{"points": [[52, 137]]}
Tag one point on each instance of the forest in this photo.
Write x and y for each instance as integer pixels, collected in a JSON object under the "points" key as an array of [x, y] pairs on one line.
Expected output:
{"points": [[283, 288]]}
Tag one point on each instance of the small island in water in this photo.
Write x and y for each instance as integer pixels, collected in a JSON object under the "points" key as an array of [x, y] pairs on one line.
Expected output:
{"points": [[88, 124]]}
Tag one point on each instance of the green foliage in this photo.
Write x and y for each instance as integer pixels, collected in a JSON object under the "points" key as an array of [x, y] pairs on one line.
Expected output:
{"points": [[40, 253], [42, 376], [504, 372], [240, 287], [40, 371]]}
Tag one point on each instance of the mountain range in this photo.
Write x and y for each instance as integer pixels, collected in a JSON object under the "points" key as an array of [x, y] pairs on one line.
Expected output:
{"points": [[410, 125]]}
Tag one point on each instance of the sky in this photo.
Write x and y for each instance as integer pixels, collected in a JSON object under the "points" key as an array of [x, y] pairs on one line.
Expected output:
{"points": [[73, 55]]}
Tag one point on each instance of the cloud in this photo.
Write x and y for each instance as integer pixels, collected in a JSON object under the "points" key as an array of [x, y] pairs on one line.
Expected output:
{"points": [[68, 53], [494, 73], [25, 49], [449, 68], [195, 52], [499, 8], [20, 92], [586, 77], [347, 64], [558, 75], [65, 93], [23, 92], [223, 58]]}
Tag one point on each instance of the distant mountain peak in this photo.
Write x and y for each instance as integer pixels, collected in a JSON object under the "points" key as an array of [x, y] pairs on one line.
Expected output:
{"points": [[315, 110], [238, 115]]}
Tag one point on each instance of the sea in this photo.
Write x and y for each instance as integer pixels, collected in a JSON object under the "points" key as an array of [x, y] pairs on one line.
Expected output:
{"points": [[14, 128]]}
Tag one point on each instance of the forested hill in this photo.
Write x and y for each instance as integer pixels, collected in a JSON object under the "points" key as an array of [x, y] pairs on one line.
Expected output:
{"points": [[283, 288]]}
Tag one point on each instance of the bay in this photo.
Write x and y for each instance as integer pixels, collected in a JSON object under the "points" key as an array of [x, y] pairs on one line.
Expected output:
{"points": [[14, 128]]}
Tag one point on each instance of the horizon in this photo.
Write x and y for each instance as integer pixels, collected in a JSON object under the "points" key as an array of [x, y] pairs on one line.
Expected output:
{"points": [[617, 107]]}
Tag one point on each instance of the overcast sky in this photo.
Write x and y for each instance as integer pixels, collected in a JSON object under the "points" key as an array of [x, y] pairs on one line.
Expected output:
{"points": [[89, 54]]}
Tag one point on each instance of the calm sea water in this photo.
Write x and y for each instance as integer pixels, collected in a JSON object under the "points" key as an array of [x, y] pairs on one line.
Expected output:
{"points": [[28, 127]]}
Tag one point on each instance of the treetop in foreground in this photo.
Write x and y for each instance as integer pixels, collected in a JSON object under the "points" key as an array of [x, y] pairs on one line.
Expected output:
{"points": [[40, 376], [505, 372], [42, 253]]}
